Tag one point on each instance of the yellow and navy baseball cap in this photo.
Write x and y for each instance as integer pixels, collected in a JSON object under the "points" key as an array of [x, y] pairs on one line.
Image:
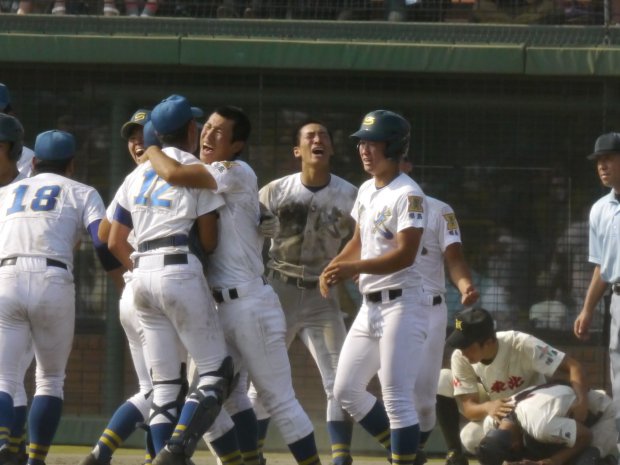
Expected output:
{"points": [[139, 118], [470, 326], [54, 146], [606, 144]]}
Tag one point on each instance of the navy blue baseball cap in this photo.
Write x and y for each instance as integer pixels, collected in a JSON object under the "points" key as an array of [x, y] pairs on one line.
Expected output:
{"points": [[54, 146], [149, 136], [171, 114], [470, 326], [5, 97], [139, 118]]}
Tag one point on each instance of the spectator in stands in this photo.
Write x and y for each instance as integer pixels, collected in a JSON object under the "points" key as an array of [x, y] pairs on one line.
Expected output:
{"points": [[132, 7]]}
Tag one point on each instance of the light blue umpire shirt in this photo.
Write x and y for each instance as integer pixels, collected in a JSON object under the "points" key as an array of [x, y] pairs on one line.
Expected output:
{"points": [[605, 237]]}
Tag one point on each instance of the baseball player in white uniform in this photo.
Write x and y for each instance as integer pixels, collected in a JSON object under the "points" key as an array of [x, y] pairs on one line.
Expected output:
{"points": [[171, 295], [23, 165], [134, 412], [441, 249], [488, 367], [248, 307], [313, 209], [391, 326], [11, 151], [41, 220], [541, 429]]}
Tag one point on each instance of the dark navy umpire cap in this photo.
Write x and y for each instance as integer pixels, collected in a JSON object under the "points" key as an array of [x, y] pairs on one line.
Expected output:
{"points": [[171, 114], [54, 146], [470, 326], [606, 144], [139, 118]]}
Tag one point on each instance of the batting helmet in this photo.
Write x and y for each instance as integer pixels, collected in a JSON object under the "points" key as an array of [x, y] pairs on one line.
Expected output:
{"points": [[495, 447], [386, 126], [11, 130]]}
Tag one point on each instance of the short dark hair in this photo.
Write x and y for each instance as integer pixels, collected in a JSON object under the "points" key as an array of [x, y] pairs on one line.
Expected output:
{"points": [[299, 127], [242, 126], [51, 166], [176, 138]]}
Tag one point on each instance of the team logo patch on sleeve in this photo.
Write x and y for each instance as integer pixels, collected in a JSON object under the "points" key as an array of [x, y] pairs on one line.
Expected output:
{"points": [[416, 206], [226, 165], [451, 224]]}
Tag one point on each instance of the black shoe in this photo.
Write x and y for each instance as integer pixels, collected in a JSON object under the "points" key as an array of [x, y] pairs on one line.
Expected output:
{"points": [[167, 457], [607, 460], [420, 458], [456, 458], [90, 459]]}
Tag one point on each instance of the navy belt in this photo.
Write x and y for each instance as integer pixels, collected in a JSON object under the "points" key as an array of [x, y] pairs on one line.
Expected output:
{"points": [[375, 297], [177, 240], [299, 282], [437, 300], [616, 288], [171, 259], [49, 262]]}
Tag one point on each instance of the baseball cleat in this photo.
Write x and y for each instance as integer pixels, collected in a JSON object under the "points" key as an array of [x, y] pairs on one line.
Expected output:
{"points": [[348, 460], [456, 458], [420, 458], [90, 459], [167, 457], [6, 457]]}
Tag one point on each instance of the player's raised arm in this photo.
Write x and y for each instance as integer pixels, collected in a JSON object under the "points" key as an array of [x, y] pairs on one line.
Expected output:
{"points": [[176, 173]]}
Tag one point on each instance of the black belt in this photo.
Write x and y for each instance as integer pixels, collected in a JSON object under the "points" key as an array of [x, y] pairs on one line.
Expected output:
{"points": [[172, 259], [299, 282], [437, 300], [616, 288], [49, 262], [375, 297], [177, 240], [218, 294]]}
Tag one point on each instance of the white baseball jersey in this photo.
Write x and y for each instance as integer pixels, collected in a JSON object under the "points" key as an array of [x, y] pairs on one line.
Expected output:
{"points": [[381, 214], [159, 209], [237, 258], [48, 211], [545, 415], [441, 230], [314, 225], [24, 164], [521, 361]]}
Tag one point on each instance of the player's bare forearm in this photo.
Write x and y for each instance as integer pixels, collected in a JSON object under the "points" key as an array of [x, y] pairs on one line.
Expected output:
{"points": [[579, 383], [595, 292], [460, 274], [564, 455], [474, 410], [104, 230], [178, 174]]}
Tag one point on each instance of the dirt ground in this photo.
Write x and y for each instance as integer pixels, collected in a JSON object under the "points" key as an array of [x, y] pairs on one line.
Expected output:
{"points": [[71, 455]]}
